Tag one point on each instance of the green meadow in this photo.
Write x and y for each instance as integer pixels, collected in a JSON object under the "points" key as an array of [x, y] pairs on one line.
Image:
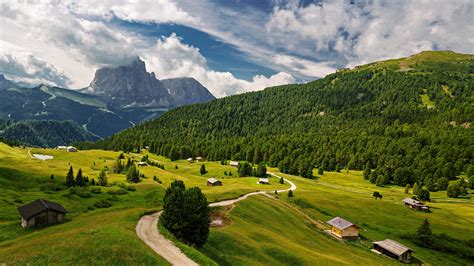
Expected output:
{"points": [[274, 230]]}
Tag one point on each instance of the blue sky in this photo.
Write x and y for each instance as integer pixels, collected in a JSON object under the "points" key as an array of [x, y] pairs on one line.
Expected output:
{"points": [[230, 46]]}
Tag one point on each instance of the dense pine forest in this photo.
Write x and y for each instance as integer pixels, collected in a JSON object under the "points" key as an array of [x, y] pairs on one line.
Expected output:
{"points": [[43, 133], [409, 119]]}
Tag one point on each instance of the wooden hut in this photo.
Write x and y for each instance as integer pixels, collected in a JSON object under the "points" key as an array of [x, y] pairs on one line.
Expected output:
{"points": [[71, 149], [393, 249], [141, 164], [263, 180], [213, 182], [415, 205], [343, 229], [41, 212], [234, 163]]}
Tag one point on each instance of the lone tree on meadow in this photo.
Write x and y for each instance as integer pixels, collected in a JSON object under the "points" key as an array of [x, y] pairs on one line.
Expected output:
{"points": [[377, 195], [186, 213], [423, 194], [282, 181], [203, 170], [290, 193], [424, 236], [70, 177]]}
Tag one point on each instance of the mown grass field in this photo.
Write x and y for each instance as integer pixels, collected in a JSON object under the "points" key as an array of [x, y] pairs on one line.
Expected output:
{"points": [[349, 196], [262, 230]]}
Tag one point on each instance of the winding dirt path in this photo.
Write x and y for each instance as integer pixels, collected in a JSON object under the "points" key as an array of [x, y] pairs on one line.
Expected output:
{"points": [[147, 230]]}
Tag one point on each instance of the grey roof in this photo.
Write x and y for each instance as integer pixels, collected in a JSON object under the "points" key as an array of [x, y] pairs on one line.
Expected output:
{"points": [[212, 180], [410, 201], [38, 206], [340, 223], [393, 246]]}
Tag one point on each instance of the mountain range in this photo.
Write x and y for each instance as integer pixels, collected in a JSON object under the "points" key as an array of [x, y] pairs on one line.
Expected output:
{"points": [[116, 99]]}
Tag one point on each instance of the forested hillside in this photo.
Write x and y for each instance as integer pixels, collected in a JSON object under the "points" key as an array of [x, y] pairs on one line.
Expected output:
{"points": [[42, 133], [409, 119]]}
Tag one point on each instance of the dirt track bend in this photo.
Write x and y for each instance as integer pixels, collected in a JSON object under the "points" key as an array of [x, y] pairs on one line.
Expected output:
{"points": [[147, 230]]}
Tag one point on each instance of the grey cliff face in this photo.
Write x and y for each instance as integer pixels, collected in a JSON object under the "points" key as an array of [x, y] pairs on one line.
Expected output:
{"points": [[186, 91], [130, 86]]}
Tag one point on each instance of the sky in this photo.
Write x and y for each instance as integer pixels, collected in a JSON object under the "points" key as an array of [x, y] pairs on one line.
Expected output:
{"points": [[230, 46]]}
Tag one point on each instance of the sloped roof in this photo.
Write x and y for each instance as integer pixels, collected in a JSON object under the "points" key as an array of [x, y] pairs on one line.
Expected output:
{"points": [[212, 180], [340, 223], [392, 246], [263, 180], [410, 201], [40, 205]]}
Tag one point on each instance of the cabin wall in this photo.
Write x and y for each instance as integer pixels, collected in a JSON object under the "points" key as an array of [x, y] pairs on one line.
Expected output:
{"points": [[350, 232]]}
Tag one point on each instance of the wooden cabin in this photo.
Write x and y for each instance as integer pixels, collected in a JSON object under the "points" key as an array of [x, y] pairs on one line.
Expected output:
{"points": [[415, 205], [213, 182], [41, 212], [191, 160], [141, 164], [263, 180], [393, 249], [234, 163], [199, 159], [71, 149], [343, 229]]}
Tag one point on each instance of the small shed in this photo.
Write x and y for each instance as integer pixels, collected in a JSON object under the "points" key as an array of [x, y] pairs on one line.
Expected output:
{"points": [[263, 180], [234, 163], [141, 164], [213, 182], [71, 149], [41, 212], [190, 160], [199, 159], [61, 148], [415, 205], [393, 249], [343, 229]]}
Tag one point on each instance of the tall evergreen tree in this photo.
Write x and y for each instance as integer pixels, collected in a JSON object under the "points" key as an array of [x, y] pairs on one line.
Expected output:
{"points": [[70, 177], [173, 217], [424, 235], [196, 229], [80, 179]]}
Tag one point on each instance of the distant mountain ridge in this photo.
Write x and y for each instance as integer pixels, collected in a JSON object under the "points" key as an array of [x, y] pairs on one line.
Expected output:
{"points": [[117, 98], [185, 91]]}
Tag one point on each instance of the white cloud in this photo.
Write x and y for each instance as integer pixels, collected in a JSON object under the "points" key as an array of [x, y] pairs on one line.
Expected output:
{"points": [[367, 32], [171, 58], [26, 68]]}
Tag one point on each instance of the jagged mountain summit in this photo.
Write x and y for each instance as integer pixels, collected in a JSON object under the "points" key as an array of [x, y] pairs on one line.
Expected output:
{"points": [[130, 86], [186, 91]]}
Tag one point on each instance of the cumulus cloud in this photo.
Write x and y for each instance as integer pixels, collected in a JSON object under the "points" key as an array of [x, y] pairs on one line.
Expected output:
{"points": [[171, 58], [366, 32], [28, 69]]}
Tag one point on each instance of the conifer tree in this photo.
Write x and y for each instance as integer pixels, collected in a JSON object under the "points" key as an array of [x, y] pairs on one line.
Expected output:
{"points": [[80, 179], [70, 177], [424, 235], [203, 169], [102, 178]]}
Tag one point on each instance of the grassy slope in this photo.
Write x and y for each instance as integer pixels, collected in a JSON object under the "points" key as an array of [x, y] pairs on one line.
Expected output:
{"points": [[349, 196], [267, 232], [260, 229]]}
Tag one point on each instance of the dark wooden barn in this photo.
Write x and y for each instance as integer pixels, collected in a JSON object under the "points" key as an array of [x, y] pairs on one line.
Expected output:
{"points": [[41, 212]]}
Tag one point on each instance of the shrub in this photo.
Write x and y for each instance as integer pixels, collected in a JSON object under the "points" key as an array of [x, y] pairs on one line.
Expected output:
{"points": [[131, 188], [103, 204], [82, 192], [119, 191], [95, 190]]}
